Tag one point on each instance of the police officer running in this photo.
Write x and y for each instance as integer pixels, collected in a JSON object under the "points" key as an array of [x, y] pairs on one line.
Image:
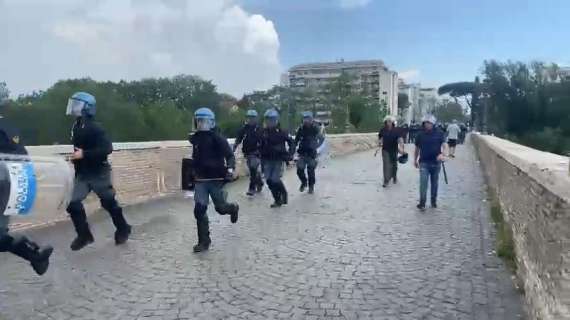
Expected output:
{"points": [[92, 171], [308, 138], [274, 153], [213, 165], [20, 246], [250, 135]]}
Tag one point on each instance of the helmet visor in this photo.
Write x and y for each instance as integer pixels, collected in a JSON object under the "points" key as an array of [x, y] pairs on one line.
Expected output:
{"points": [[271, 122], [203, 124], [75, 107]]}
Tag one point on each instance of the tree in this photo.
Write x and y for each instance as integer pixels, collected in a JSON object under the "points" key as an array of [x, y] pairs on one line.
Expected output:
{"points": [[357, 109], [4, 94], [470, 92], [450, 111]]}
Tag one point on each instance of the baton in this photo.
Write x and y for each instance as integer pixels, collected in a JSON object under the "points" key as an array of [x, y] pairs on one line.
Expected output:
{"points": [[444, 173]]}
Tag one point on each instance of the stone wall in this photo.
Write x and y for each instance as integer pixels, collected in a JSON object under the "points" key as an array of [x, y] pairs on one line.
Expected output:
{"points": [[147, 170], [533, 188]]}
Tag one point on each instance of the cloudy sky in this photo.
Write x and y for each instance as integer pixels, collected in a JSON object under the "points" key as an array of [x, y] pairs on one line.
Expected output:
{"points": [[244, 45]]}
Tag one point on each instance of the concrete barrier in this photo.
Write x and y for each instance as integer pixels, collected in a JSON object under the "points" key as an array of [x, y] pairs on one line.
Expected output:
{"points": [[147, 170], [533, 188]]}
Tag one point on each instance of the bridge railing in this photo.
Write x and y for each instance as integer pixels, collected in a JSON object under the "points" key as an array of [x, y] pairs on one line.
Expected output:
{"points": [[533, 188]]}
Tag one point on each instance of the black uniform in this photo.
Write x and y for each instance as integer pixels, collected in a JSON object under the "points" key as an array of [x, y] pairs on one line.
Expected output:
{"points": [[308, 138], [93, 173], [20, 246], [277, 147], [212, 157], [250, 135]]}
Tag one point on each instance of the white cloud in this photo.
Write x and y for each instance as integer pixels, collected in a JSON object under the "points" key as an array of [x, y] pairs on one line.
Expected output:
{"points": [[350, 4], [126, 39], [410, 76]]}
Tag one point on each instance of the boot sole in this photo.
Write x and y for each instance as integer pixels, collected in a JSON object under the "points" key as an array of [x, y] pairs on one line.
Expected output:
{"points": [[90, 241]]}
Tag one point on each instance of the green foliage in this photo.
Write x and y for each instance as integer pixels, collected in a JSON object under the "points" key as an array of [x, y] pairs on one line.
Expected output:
{"points": [[504, 241], [357, 109], [526, 105], [449, 112], [150, 109]]}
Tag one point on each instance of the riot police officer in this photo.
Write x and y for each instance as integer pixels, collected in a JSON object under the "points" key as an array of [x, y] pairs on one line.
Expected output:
{"points": [[213, 164], [20, 246], [92, 171], [250, 135], [277, 147], [307, 140]]}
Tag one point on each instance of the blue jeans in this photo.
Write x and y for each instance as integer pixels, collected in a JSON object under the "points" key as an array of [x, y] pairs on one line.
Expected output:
{"points": [[429, 171], [214, 189], [253, 164], [273, 171]]}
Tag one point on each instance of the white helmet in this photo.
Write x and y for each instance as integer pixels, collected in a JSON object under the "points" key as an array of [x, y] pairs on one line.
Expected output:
{"points": [[390, 118], [429, 118]]}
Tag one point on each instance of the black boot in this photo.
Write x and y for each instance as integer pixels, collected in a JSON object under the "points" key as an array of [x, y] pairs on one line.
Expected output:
{"points": [[311, 189], [283, 192], [123, 229], [251, 190], [259, 185], [30, 251], [434, 203], [79, 219], [302, 187], [231, 209], [122, 235], [203, 235], [276, 193]]}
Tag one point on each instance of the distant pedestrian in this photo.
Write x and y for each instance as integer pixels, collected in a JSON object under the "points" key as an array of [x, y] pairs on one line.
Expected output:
{"points": [[453, 132], [391, 142], [428, 156]]}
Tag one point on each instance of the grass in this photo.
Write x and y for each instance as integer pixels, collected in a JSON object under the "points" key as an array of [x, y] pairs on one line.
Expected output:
{"points": [[504, 242]]}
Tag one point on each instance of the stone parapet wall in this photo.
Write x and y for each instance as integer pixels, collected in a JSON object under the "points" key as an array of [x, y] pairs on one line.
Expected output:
{"points": [[533, 188], [147, 170]]}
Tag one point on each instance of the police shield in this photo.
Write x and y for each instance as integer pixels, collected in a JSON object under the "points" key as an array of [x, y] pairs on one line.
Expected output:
{"points": [[29, 184]]}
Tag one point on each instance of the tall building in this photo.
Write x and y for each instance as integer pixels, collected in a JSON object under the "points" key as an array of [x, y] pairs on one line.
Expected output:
{"points": [[369, 77], [413, 92], [427, 101]]}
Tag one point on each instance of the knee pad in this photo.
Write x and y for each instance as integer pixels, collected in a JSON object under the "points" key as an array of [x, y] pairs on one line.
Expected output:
{"points": [[200, 211]]}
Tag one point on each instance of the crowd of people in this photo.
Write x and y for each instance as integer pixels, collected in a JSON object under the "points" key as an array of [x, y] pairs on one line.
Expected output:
{"points": [[267, 148]]}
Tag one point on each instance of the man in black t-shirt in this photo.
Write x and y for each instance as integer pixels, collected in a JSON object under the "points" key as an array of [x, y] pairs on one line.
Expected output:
{"points": [[391, 142]]}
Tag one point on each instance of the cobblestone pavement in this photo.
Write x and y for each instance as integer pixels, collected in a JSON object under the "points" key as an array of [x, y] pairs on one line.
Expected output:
{"points": [[352, 251]]}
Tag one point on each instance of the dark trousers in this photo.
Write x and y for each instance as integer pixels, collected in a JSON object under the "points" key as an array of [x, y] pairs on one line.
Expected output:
{"points": [[389, 165], [273, 171], [100, 184], [203, 191], [254, 164], [310, 165]]}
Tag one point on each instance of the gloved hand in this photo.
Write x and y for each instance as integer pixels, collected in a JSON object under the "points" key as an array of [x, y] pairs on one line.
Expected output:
{"points": [[230, 175]]}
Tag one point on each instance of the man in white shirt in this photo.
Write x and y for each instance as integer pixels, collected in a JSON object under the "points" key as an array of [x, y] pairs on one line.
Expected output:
{"points": [[453, 132]]}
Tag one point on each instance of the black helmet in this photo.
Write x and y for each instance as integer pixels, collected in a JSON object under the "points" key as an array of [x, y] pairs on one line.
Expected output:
{"points": [[403, 158]]}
